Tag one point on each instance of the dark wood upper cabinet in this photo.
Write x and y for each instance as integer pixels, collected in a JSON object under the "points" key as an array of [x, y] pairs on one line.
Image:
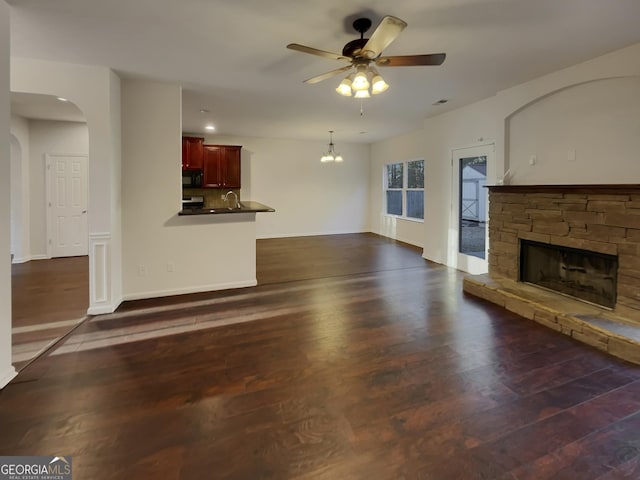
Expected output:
{"points": [[192, 153], [211, 167], [221, 166], [230, 166]]}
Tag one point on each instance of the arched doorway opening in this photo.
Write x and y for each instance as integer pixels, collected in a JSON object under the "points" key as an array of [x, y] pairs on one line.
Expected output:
{"points": [[49, 222]]}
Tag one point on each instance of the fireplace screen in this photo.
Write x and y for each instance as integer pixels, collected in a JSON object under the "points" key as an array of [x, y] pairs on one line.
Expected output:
{"points": [[582, 274]]}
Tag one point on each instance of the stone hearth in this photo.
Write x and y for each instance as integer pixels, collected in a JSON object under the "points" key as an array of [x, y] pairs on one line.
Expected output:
{"points": [[603, 219]]}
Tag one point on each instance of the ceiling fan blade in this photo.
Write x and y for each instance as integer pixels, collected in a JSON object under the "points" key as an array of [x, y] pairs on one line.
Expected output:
{"points": [[314, 51], [388, 30], [324, 76], [411, 60]]}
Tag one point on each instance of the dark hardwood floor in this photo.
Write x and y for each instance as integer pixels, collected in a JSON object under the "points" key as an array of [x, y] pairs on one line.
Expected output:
{"points": [[353, 359], [48, 298]]}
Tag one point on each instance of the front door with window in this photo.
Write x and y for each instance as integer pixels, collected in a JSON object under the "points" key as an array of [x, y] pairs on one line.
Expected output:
{"points": [[468, 243]]}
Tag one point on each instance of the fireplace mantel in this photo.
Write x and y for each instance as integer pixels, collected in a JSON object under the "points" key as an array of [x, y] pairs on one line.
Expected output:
{"points": [[611, 188]]}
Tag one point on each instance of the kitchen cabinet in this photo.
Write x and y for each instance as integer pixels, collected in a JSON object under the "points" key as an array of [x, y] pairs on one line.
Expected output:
{"points": [[221, 166], [230, 167], [211, 167], [192, 153]]}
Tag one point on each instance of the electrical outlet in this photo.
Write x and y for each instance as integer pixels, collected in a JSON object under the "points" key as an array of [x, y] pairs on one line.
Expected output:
{"points": [[222, 196], [142, 270], [169, 267], [532, 160], [571, 156]]}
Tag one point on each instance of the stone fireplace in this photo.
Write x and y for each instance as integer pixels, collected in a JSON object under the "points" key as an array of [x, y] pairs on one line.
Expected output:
{"points": [[602, 219], [578, 240]]}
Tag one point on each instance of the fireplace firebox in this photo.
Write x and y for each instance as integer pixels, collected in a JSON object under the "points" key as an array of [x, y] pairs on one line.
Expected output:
{"points": [[582, 274]]}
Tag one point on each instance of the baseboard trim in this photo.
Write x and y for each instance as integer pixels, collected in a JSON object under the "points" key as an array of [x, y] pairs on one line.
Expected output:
{"points": [[29, 258], [308, 234], [407, 241], [439, 261], [186, 290], [7, 376], [101, 309]]}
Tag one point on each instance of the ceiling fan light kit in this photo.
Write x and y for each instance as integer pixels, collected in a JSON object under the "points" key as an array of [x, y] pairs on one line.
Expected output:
{"points": [[363, 84], [345, 86], [363, 52], [360, 81], [378, 85]]}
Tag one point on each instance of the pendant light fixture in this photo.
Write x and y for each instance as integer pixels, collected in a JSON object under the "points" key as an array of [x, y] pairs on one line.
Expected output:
{"points": [[331, 155]]}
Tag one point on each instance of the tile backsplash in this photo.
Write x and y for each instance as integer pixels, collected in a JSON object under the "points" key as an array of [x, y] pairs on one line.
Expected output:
{"points": [[213, 197]]}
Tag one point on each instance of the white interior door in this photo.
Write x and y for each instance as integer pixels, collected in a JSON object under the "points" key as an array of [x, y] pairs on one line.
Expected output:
{"points": [[468, 240], [67, 230]]}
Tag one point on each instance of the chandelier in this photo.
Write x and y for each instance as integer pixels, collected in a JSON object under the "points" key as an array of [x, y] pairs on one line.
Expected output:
{"points": [[331, 155], [362, 84]]}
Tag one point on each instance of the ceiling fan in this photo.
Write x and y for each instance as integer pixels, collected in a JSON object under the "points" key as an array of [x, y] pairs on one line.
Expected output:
{"points": [[363, 52]]}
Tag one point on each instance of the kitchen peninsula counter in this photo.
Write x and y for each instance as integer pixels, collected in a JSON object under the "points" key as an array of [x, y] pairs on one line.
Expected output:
{"points": [[245, 207]]}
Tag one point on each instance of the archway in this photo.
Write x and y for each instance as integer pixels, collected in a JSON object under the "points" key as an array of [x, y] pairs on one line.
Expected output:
{"points": [[96, 91], [50, 287]]}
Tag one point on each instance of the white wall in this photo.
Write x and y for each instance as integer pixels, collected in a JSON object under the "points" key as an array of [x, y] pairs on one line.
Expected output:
{"points": [[310, 198], [20, 236], [49, 137], [405, 147], [163, 253], [16, 199], [465, 127], [599, 121], [619, 64], [108, 246], [96, 92], [7, 372], [587, 107]]}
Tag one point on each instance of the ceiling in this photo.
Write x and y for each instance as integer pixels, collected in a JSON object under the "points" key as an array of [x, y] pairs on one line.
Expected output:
{"points": [[231, 59]]}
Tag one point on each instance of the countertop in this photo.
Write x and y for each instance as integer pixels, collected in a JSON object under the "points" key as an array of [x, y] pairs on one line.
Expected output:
{"points": [[245, 207]]}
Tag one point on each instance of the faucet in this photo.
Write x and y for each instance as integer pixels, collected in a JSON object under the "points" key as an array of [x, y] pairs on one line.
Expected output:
{"points": [[226, 199]]}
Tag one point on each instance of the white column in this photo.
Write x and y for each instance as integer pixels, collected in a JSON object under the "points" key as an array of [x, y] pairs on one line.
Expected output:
{"points": [[100, 298]]}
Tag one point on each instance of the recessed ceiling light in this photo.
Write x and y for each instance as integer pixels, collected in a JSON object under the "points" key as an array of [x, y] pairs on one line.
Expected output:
{"points": [[62, 99], [204, 110], [211, 128]]}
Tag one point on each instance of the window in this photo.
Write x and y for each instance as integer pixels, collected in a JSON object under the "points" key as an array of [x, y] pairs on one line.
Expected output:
{"points": [[472, 210], [404, 189]]}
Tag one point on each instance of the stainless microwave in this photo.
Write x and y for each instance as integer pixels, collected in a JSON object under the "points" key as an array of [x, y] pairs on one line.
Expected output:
{"points": [[191, 178]]}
